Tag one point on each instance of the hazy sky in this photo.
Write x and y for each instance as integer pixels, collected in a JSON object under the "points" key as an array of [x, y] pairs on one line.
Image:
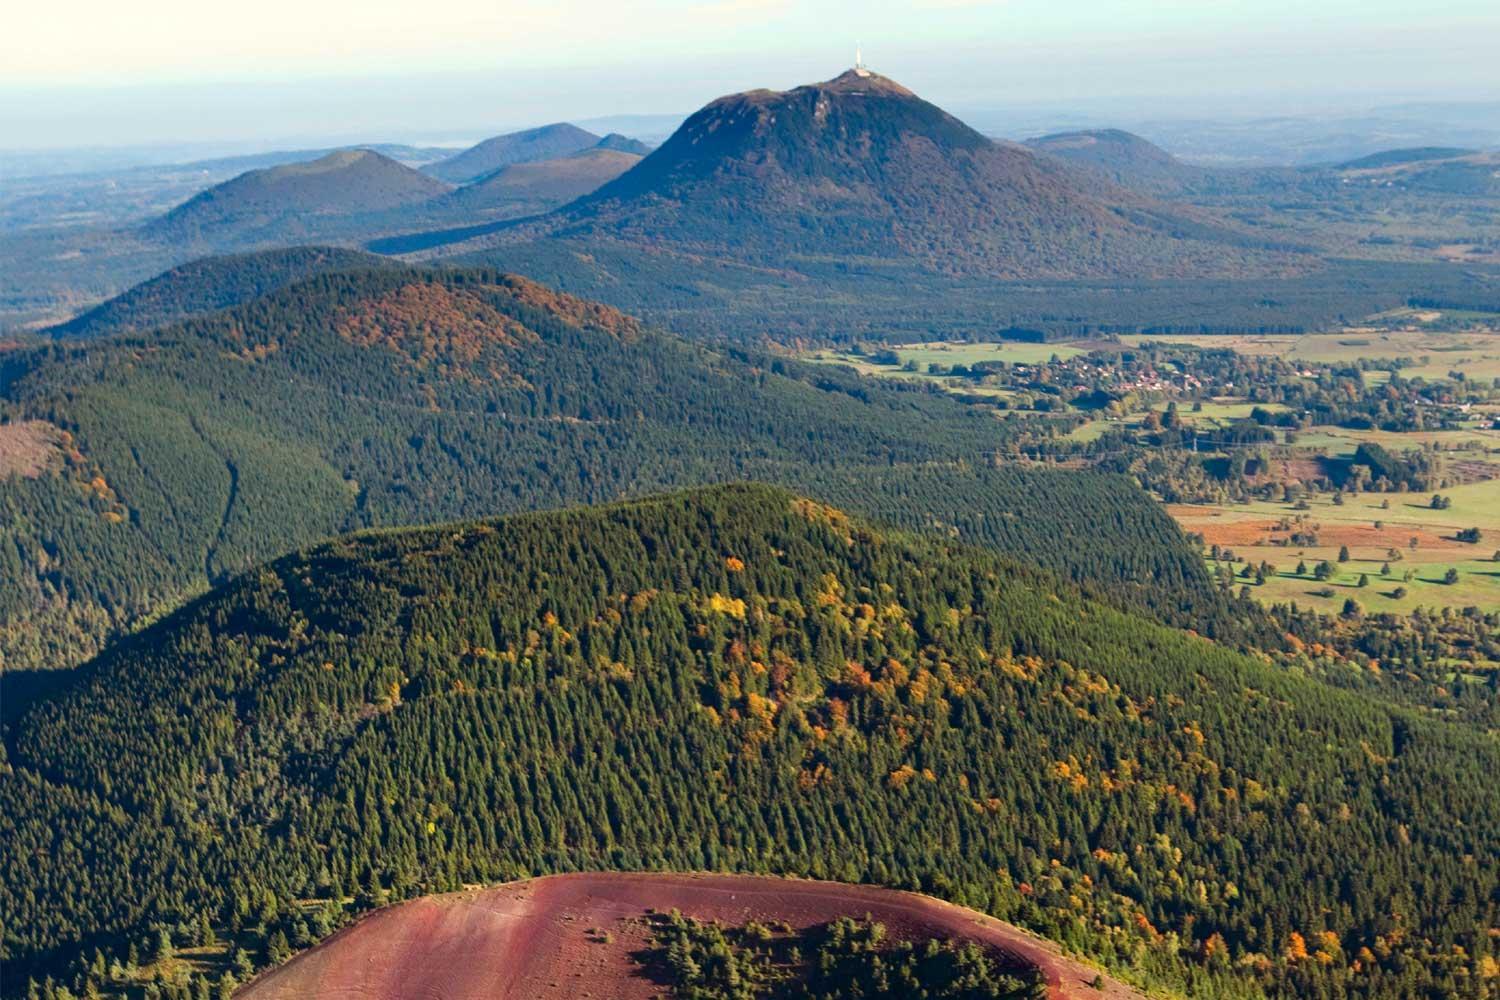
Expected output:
{"points": [[77, 72]]}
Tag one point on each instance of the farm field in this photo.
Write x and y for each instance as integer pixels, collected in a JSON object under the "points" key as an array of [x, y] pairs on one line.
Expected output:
{"points": [[1475, 353], [1478, 442], [949, 353], [1225, 410], [1247, 530], [961, 353], [1213, 414]]}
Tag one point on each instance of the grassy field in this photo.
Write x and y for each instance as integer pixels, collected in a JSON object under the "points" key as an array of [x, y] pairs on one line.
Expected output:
{"points": [[949, 353], [957, 353], [1094, 429], [1369, 532], [1474, 443], [1478, 586], [1214, 414], [1476, 354]]}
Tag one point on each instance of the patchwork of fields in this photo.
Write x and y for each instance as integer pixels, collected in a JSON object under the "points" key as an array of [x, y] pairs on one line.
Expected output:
{"points": [[1400, 550], [1255, 532], [1437, 352]]}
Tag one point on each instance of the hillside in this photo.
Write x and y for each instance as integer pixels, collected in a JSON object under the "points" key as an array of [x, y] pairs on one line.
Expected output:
{"points": [[623, 144], [539, 185], [1399, 157], [546, 143], [207, 285], [397, 396], [861, 169], [736, 679], [293, 200], [1121, 158], [602, 934], [1459, 173]]}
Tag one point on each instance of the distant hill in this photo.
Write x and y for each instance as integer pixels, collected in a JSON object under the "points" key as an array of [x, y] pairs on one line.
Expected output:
{"points": [[861, 170], [292, 200], [1121, 157], [131, 195], [545, 143], [1465, 174], [1397, 204], [209, 284], [410, 155], [1398, 157], [539, 185], [624, 144]]}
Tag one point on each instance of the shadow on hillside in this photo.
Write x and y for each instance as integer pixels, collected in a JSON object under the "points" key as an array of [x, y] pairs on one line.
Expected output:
{"points": [[19, 688]]}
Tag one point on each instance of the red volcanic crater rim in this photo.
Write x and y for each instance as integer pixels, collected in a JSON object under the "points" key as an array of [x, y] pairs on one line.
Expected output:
{"points": [[574, 936]]}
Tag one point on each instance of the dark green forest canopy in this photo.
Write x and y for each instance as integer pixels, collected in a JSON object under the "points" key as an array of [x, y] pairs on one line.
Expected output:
{"points": [[848, 300], [734, 679], [403, 397], [207, 285], [842, 960]]}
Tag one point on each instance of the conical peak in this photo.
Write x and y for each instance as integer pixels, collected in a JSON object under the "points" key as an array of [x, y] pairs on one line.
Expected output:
{"points": [[860, 80]]}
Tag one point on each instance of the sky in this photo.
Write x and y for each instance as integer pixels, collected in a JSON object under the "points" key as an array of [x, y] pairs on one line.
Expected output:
{"points": [[108, 73]]}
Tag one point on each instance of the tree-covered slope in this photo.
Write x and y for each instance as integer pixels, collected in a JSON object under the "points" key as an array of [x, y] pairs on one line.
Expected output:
{"points": [[402, 396], [1121, 158], [288, 201], [733, 678], [537, 186], [544, 143], [209, 284]]}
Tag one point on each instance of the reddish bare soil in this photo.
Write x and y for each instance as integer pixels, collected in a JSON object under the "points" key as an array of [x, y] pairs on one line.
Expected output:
{"points": [[27, 446], [1240, 531], [578, 937]]}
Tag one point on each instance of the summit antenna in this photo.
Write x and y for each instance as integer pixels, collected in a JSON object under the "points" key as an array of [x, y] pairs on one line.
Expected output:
{"points": [[859, 61]]}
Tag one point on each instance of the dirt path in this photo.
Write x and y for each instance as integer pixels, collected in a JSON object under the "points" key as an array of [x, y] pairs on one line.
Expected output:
{"points": [[574, 936]]}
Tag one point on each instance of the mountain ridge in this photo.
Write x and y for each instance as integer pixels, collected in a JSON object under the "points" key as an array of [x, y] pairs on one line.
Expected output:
{"points": [[542, 143], [209, 284], [535, 186], [1122, 158]]}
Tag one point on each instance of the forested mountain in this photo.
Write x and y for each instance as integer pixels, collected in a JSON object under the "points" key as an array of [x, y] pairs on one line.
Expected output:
{"points": [[1398, 157], [736, 679], [545, 143], [623, 144], [400, 396], [861, 168], [1460, 173], [1131, 162], [208, 284], [288, 203], [1121, 158], [538, 185]]}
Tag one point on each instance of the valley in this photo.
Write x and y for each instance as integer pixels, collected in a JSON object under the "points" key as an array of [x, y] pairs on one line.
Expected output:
{"points": [[1028, 381]]}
